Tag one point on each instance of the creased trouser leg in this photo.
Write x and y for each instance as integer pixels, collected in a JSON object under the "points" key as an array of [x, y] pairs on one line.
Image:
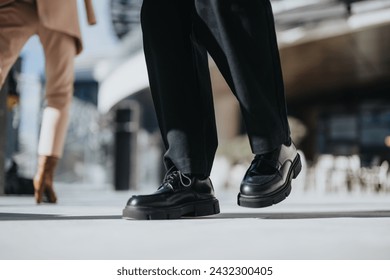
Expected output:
{"points": [[60, 50], [180, 85], [240, 36]]}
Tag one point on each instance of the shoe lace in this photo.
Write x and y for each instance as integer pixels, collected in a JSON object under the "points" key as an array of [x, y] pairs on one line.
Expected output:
{"points": [[173, 175]]}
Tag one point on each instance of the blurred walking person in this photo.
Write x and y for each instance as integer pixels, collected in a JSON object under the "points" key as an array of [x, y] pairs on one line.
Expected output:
{"points": [[56, 23]]}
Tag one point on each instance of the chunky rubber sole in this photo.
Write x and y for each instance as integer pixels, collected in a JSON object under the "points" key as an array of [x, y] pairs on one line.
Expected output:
{"points": [[194, 209], [276, 197]]}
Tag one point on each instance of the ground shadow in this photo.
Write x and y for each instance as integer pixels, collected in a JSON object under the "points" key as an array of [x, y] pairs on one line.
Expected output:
{"points": [[42, 217], [254, 215], [305, 215]]}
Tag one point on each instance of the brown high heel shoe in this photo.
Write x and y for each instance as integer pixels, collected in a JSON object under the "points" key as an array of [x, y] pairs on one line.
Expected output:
{"points": [[43, 180]]}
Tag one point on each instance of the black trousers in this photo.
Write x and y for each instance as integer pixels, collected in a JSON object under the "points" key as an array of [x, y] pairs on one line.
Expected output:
{"points": [[240, 37]]}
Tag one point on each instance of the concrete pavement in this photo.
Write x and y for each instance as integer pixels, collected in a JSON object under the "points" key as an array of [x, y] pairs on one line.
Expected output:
{"points": [[87, 224]]}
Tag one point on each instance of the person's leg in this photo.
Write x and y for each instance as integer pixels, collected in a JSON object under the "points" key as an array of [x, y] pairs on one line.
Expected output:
{"points": [[240, 35], [60, 50], [18, 22], [180, 85]]}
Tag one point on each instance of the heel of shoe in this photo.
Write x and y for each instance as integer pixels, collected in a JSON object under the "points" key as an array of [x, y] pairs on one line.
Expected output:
{"points": [[297, 166], [50, 195], [205, 208], [38, 190]]}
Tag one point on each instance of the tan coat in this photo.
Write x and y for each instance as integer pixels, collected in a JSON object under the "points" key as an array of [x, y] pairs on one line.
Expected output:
{"points": [[61, 15]]}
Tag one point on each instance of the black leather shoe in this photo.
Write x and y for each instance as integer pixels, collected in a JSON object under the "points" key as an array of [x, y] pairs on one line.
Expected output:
{"points": [[268, 179], [178, 196]]}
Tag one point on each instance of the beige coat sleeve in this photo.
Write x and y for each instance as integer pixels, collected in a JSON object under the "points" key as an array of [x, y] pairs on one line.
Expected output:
{"points": [[90, 12]]}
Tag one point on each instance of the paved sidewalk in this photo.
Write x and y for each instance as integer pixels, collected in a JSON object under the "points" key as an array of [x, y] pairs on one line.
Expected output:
{"points": [[87, 224]]}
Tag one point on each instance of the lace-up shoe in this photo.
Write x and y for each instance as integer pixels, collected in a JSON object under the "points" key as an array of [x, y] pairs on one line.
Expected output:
{"points": [[178, 196]]}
